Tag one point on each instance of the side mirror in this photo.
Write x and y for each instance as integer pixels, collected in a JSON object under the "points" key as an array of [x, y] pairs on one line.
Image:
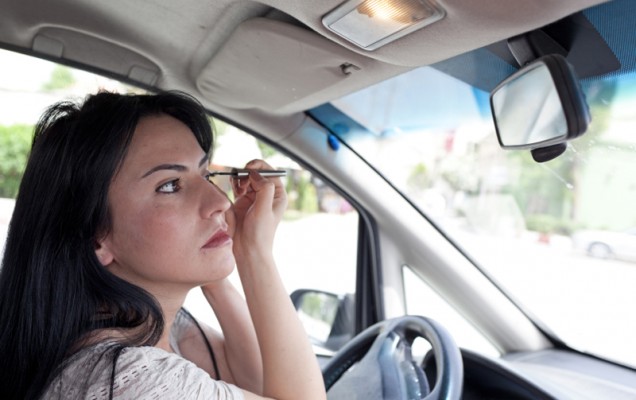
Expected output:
{"points": [[540, 107], [327, 317]]}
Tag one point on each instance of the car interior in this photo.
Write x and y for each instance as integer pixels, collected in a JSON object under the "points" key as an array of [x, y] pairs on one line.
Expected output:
{"points": [[318, 82]]}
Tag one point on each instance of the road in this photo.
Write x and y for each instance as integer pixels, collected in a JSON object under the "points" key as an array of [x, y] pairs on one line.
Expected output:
{"points": [[588, 302]]}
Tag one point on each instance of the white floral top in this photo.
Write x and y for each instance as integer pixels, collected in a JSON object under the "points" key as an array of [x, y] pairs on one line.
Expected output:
{"points": [[141, 373]]}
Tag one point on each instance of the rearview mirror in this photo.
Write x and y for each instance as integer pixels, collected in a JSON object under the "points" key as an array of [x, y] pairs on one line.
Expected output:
{"points": [[540, 107]]}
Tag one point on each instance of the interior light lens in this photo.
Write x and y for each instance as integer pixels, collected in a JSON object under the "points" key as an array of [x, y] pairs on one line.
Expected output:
{"points": [[370, 24]]}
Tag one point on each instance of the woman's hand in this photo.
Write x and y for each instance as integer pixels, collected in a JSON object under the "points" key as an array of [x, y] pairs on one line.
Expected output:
{"points": [[258, 208]]}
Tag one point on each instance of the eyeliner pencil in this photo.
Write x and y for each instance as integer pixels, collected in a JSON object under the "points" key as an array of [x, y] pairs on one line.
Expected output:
{"points": [[241, 173]]}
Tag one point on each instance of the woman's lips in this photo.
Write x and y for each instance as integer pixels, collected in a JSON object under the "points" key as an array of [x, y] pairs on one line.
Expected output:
{"points": [[220, 238]]}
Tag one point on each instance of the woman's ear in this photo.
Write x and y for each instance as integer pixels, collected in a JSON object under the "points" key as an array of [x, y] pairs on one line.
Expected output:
{"points": [[103, 253]]}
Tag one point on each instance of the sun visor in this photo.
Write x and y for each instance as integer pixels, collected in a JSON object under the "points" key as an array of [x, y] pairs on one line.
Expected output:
{"points": [[270, 65]]}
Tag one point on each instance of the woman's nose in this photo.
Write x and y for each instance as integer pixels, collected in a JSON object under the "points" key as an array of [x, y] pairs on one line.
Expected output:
{"points": [[214, 200]]}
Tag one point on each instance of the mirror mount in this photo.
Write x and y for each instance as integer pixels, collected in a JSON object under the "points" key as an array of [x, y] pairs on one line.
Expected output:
{"points": [[530, 46], [576, 35], [543, 154]]}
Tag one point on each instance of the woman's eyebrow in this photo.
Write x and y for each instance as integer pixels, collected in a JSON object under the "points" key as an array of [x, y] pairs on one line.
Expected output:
{"points": [[203, 161], [173, 167]]}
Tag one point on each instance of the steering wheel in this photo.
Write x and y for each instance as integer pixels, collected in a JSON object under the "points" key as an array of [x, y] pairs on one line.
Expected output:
{"points": [[385, 367]]}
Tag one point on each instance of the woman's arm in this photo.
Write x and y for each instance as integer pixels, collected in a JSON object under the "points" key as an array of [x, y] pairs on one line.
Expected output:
{"points": [[290, 368], [241, 351]]}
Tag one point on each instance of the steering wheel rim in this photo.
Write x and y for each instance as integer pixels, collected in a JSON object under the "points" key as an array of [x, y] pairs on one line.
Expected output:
{"points": [[374, 350]]}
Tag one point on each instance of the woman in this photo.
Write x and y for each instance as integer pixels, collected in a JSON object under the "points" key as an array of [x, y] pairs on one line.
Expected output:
{"points": [[114, 223]]}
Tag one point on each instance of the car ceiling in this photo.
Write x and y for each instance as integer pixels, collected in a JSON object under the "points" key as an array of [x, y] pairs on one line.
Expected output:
{"points": [[273, 58]]}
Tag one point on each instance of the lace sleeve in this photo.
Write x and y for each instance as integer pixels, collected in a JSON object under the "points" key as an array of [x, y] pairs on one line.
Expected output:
{"points": [[141, 373]]}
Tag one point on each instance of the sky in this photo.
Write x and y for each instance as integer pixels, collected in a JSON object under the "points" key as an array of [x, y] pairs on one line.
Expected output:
{"points": [[20, 72], [21, 80]]}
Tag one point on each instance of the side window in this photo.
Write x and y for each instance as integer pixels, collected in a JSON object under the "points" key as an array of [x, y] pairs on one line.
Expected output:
{"points": [[29, 85], [421, 299], [316, 243], [315, 246]]}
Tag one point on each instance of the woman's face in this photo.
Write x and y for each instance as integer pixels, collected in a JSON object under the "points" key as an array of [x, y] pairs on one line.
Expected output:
{"points": [[170, 226]]}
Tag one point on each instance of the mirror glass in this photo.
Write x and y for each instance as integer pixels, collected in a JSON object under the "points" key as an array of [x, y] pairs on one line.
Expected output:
{"points": [[317, 311], [328, 318], [528, 110]]}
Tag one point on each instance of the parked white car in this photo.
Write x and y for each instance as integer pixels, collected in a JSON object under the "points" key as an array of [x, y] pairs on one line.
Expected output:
{"points": [[607, 244]]}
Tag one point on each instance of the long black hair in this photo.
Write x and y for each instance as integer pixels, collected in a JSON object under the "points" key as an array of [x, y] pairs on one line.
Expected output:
{"points": [[53, 290]]}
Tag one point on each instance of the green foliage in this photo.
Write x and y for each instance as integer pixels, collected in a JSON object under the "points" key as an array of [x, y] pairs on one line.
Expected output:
{"points": [[311, 305], [218, 127], [302, 195], [15, 143], [61, 78], [543, 188], [306, 200], [266, 150], [418, 178], [549, 224], [547, 192], [320, 306]]}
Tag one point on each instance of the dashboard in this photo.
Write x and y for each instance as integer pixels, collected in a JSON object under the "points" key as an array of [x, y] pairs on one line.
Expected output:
{"points": [[541, 375], [548, 374]]}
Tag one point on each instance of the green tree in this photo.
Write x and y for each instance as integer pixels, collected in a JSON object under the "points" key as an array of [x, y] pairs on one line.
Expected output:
{"points": [[218, 127], [266, 150], [15, 143], [61, 78], [306, 198], [418, 178]]}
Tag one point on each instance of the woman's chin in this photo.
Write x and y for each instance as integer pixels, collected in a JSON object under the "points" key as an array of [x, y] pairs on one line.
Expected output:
{"points": [[221, 269]]}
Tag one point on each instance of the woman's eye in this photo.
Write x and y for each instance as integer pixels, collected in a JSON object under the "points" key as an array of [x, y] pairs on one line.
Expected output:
{"points": [[169, 187]]}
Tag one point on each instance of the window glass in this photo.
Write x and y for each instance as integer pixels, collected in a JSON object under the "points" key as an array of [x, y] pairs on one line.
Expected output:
{"points": [[317, 238], [556, 235], [421, 299], [27, 87], [315, 242]]}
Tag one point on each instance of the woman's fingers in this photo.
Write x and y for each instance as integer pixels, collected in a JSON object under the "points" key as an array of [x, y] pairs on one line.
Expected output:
{"points": [[279, 192], [258, 193], [243, 185]]}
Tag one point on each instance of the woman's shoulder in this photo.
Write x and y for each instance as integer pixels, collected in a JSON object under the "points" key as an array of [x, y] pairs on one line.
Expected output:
{"points": [[140, 373]]}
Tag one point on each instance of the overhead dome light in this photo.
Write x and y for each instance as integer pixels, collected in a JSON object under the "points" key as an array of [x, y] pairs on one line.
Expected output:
{"points": [[370, 24]]}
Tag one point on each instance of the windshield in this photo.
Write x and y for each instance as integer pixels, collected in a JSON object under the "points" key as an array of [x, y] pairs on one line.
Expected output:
{"points": [[558, 236]]}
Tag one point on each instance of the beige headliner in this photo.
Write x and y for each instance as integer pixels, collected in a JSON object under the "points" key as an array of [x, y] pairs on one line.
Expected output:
{"points": [[283, 62]]}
